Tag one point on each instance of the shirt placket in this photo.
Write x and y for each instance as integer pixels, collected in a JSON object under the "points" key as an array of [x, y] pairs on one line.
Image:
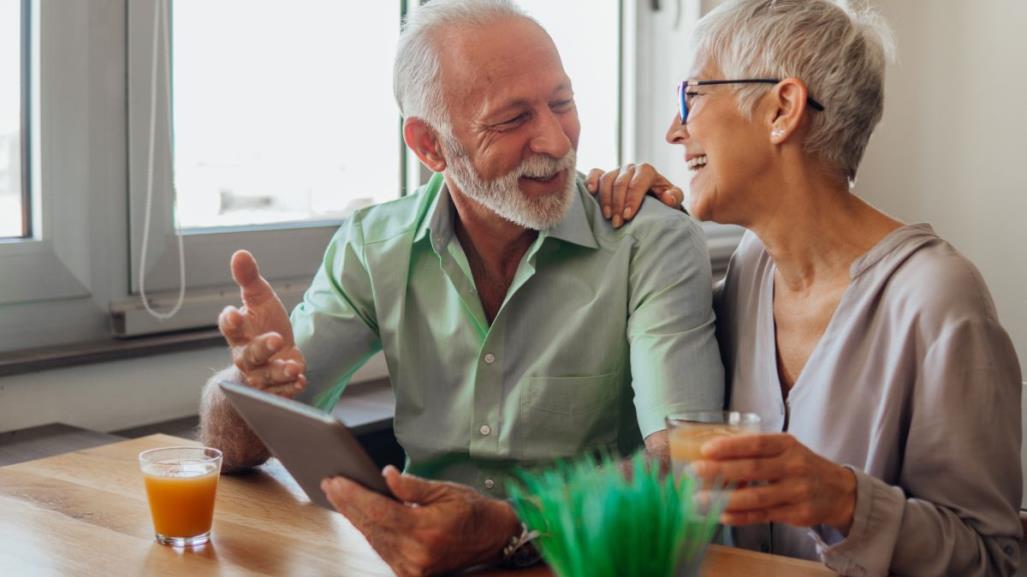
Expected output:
{"points": [[485, 438]]}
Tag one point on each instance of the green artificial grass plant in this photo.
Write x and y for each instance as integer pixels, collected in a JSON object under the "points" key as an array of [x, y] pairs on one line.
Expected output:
{"points": [[594, 521]]}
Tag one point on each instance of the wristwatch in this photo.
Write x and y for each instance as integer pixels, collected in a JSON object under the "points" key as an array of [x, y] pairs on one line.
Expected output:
{"points": [[521, 552]]}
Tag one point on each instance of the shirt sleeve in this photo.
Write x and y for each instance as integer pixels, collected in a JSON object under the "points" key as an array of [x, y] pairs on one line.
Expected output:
{"points": [[335, 325], [675, 361], [955, 511]]}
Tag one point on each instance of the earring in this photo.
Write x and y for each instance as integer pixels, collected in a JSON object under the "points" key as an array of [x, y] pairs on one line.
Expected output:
{"points": [[777, 132]]}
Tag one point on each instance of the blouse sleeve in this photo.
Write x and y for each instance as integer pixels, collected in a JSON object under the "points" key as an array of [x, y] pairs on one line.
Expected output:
{"points": [[955, 510]]}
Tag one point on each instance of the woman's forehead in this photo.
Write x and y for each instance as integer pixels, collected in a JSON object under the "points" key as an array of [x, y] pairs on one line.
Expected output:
{"points": [[704, 68]]}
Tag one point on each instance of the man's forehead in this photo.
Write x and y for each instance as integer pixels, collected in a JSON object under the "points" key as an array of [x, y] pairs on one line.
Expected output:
{"points": [[510, 60]]}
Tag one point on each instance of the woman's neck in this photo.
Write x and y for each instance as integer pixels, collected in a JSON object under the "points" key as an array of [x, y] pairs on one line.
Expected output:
{"points": [[819, 229]]}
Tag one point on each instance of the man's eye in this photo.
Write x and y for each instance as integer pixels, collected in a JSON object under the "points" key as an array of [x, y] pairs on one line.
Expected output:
{"points": [[563, 104], [513, 121]]}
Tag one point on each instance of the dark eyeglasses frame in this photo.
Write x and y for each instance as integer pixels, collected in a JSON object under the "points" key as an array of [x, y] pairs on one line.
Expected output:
{"points": [[684, 85]]}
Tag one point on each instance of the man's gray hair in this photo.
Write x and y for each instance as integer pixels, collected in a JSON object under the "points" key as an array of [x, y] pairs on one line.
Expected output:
{"points": [[837, 50], [416, 72]]}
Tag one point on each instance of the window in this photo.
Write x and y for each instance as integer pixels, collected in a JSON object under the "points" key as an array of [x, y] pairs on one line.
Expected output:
{"points": [[13, 208], [275, 118], [283, 111], [282, 122], [593, 63]]}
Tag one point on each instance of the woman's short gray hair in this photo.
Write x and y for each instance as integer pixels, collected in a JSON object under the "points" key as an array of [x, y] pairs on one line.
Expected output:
{"points": [[838, 51], [416, 79]]}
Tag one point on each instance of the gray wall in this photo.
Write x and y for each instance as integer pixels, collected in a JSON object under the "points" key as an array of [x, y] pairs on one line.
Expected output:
{"points": [[122, 394], [951, 147]]}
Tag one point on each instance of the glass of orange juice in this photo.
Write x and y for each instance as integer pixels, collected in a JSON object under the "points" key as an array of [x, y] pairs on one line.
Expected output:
{"points": [[689, 431], [180, 485]]}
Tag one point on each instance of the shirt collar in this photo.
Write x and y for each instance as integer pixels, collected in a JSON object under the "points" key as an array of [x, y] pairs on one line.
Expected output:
{"points": [[575, 227], [438, 218]]}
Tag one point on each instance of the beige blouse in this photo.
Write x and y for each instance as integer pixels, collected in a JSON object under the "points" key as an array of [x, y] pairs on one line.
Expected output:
{"points": [[915, 386]]}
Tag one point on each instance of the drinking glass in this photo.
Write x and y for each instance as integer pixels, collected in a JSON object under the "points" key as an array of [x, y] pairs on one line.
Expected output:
{"points": [[181, 483], [689, 431]]}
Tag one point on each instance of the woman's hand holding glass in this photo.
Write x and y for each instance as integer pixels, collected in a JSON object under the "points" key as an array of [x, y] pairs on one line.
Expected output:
{"points": [[778, 480]]}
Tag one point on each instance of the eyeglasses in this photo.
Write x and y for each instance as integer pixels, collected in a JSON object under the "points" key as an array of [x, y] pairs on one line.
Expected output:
{"points": [[684, 85]]}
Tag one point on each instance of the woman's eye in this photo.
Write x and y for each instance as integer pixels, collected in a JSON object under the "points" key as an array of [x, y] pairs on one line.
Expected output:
{"points": [[692, 94]]}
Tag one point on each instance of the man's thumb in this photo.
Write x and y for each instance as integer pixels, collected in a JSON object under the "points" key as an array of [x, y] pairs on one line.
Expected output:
{"points": [[407, 488], [246, 274]]}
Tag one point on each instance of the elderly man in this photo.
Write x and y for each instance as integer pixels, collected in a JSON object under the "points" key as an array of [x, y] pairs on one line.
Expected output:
{"points": [[518, 325]]}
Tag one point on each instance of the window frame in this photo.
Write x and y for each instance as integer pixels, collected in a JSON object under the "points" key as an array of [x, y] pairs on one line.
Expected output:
{"points": [[50, 292], [25, 135]]}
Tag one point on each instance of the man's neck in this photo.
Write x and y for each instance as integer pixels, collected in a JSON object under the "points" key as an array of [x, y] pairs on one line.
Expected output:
{"points": [[496, 243]]}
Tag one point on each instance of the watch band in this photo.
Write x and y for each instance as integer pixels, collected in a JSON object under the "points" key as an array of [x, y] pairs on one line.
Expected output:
{"points": [[521, 552]]}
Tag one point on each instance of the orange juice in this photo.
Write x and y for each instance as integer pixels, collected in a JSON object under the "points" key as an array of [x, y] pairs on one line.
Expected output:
{"points": [[182, 502], [181, 483], [686, 441]]}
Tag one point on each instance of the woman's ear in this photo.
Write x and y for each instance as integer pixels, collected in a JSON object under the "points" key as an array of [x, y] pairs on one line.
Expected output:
{"points": [[787, 107], [424, 142]]}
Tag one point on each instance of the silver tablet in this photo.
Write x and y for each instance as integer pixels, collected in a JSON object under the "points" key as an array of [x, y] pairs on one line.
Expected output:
{"points": [[311, 444]]}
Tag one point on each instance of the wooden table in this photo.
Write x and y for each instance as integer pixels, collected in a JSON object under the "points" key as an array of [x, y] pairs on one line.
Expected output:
{"points": [[85, 514]]}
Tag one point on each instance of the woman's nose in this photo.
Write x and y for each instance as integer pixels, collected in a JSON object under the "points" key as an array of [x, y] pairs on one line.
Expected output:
{"points": [[677, 132]]}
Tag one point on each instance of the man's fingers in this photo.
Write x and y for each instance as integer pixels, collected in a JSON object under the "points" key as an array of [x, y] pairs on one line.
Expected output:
{"points": [[363, 507], [288, 390], [232, 325], [592, 180], [256, 353], [255, 290], [747, 446], [276, 373]]}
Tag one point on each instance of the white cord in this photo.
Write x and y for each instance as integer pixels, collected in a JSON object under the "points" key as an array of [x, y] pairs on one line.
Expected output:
{"points": [[159, 10]]}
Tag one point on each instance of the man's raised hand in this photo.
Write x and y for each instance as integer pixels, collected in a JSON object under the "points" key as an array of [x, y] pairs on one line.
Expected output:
{"points": [[260, 334]]}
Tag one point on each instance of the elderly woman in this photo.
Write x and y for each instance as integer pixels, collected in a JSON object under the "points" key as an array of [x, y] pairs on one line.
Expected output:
{"points": [[870, 347]]}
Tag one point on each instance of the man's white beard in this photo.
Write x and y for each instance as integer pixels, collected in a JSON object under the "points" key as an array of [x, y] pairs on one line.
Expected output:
{"points": [[504, 197]]}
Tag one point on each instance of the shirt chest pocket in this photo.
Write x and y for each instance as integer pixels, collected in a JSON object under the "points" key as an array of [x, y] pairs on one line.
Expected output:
{"points": [[566, 416]]}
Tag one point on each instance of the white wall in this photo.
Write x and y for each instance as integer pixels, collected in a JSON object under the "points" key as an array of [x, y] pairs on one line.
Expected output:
{"points": [[952, 147], [117, 395]]}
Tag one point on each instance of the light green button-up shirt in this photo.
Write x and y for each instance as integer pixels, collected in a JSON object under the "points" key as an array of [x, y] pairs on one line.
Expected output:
{"points": [[602, 334]]}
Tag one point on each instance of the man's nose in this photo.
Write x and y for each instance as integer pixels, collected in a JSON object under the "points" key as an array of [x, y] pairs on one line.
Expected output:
{"points": [[550, 138]]}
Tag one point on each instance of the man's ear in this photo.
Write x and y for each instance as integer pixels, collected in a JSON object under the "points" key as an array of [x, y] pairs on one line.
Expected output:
{"points": [[422, 139]]}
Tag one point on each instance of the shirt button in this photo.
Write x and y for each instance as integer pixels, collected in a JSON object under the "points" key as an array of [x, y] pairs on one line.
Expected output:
{"points": [[490, 358], [485, 430], [489, 483]]}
